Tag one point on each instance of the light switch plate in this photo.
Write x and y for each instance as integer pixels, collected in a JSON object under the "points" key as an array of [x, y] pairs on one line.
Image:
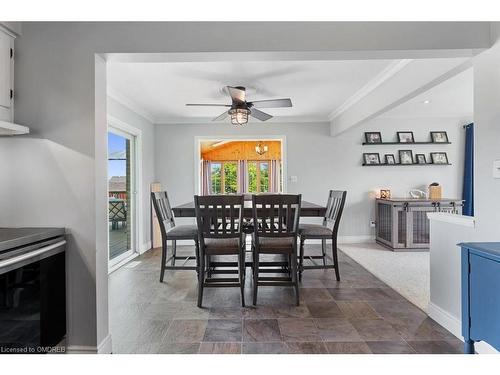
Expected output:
{"points": [[293, 179], [496, 169]]}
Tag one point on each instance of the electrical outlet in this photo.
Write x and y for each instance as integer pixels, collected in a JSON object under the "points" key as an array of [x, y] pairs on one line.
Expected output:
{"points": [[372, 223]]}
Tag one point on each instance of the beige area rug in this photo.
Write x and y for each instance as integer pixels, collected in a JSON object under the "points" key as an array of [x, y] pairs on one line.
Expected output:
{"points": [[405, 272]]}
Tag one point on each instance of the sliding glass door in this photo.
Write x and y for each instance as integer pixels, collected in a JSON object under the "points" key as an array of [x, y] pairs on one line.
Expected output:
{"points": [[121, 195]]}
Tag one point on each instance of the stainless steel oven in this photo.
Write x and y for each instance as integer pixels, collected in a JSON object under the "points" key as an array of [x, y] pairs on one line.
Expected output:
{"points": [[32, 293]]}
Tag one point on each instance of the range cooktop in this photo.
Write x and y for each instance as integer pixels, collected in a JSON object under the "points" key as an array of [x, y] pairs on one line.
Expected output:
{"points": [[15, 238]]}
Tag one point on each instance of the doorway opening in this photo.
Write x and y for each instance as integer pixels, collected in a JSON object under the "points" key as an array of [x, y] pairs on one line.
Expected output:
{"points": [[240, 166], [122, 196]]}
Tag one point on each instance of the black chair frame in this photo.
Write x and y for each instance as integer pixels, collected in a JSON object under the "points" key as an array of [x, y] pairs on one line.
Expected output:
{"points": [[220, 217], [334, 209], [166, 220], [275, 216]]}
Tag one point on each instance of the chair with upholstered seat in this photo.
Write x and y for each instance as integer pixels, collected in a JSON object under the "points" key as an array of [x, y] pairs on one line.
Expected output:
{"points": [[220, 231], [172, 232], [276, 222], [328, 230]]}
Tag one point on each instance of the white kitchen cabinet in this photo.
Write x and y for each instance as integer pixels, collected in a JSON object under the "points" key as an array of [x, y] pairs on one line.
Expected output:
{"points": [[6, 75]]}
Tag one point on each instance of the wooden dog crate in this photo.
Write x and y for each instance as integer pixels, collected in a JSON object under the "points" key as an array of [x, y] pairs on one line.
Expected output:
{"points": [[402, 223]]}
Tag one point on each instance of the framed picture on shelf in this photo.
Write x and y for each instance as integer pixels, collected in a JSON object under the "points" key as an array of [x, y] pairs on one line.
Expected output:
{"points": [[421, 159], [439, 137], [373, 137], [389, 159], [372, 158], [406, 137], [439, 158], [405, 157]]}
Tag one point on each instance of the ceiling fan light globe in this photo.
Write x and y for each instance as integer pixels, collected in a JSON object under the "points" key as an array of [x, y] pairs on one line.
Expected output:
{"points": [[239, 116]]}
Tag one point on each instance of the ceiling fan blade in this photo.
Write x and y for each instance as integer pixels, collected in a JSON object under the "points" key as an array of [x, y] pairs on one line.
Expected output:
{"points": [[272, 103], [262, 116], [221, 117], [236, 94], [207, 105]]}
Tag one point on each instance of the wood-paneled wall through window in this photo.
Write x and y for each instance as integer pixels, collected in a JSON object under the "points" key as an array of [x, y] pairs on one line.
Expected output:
{"points": [[239, 150]]}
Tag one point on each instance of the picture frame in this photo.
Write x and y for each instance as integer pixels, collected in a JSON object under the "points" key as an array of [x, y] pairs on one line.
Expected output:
{"points": [[390, 159], [439, 137], [373, 137], [406, 137], [439, 158], [385, 194], [371, 158], [421, 159], [405, 157]]}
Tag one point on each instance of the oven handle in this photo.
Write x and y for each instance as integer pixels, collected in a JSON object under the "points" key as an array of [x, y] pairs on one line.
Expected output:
{"points": [[31, 254]]}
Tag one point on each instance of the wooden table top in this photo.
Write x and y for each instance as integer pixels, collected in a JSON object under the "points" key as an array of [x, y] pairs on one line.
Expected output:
{"points": [[307, 209]]}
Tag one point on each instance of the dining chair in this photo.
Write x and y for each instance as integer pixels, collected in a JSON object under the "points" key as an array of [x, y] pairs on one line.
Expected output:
{"points": [[220, 232], [172, 232], [328, 230], [276, 221]]}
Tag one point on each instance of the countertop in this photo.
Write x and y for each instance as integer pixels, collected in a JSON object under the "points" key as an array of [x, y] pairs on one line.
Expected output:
{"points": [[398, 200], [16, 237]]}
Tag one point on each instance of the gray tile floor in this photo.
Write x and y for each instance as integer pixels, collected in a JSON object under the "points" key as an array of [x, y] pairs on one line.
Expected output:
{"points": [[359, 314]]}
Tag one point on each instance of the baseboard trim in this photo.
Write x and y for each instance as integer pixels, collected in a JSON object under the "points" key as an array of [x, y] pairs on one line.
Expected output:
{"points": [[145, 247], [81, 349], [356, 239], [454, 325], [447, 320], [103, 348]]}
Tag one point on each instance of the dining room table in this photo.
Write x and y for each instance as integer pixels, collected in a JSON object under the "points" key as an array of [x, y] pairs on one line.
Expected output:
{"points": [[307, 209]]}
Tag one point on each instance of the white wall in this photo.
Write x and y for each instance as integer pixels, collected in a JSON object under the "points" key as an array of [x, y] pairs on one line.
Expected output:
{"points": [[445, 254], [487, 138], [125, 114], [322, 162], [49, 178]]}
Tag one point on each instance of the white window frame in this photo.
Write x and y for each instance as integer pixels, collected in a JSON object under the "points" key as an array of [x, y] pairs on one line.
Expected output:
{"points": [[251, 138], [118, 126]]}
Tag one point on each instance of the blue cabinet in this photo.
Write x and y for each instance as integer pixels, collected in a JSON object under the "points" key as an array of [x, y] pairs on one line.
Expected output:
{"points": [[480, 294]]}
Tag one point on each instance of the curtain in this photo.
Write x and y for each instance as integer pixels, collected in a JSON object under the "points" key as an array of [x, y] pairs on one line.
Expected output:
{"points": [[206, 181], [468, 187], [274, 176], [242, 177]]}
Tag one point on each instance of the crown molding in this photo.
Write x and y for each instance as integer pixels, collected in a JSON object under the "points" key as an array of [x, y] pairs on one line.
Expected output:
{"points": [[130, 104], [389, 71]]}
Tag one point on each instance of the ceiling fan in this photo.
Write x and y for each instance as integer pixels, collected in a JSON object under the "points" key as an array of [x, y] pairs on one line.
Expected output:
{"points": [[240, 109]]}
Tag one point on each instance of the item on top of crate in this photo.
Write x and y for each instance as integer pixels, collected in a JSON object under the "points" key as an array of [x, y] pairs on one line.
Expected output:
{"points": [[435, 191], [385, 194]]}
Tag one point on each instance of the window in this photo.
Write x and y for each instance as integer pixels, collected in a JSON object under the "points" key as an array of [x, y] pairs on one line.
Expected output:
{"points": [[230, 178], [264, 176], [258, 176], [216, 178], [224, 177]]}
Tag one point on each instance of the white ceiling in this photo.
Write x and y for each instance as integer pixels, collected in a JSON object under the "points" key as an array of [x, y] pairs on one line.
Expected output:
{"points": [[160, 91], [452, 98], [316, 88]]}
